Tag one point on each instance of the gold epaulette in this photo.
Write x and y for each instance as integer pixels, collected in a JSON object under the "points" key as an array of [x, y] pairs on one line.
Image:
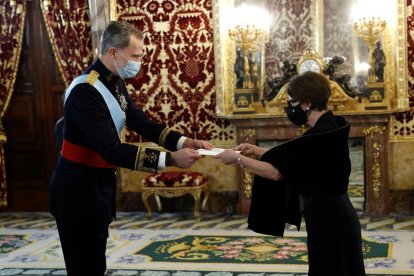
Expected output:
{"points": [[92, 77]]}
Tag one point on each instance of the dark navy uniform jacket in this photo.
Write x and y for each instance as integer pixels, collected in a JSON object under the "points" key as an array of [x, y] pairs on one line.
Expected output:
{"points": [[82, 193]]}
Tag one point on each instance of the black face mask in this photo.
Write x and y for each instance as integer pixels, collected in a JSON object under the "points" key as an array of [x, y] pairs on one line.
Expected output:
{"points": [[296, 114]]}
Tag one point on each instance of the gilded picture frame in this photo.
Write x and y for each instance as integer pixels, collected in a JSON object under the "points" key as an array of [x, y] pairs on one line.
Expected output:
{"points": [[394, 41]]}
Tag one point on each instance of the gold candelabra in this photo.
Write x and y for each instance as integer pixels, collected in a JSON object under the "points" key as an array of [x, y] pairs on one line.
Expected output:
{"points": [[370, 30], [248, 37]]}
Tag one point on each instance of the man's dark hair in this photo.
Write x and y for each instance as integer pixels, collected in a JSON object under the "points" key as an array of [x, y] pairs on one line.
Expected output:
{"points": [[117, 34]]}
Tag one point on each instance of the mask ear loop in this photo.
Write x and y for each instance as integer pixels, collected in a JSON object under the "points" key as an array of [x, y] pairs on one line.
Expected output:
{"points": [[114, 60], [119, 52], [117, 68]]}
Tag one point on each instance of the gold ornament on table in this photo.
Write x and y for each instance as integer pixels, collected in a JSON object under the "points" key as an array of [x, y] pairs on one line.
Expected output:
{"points": [[369, 24], [249, 35], [370, 30]]}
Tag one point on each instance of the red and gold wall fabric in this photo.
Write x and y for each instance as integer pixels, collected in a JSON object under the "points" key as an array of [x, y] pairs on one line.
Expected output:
{"points": [[176, 85], [69, 28], [12, 16], [404, 122]]}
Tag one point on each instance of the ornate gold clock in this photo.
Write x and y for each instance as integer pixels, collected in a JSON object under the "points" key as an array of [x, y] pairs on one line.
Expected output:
{"points": [[310, 61]]}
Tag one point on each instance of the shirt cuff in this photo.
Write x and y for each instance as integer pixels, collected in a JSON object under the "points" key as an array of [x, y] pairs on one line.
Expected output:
{"points": [[161, 160], [180, 143]]}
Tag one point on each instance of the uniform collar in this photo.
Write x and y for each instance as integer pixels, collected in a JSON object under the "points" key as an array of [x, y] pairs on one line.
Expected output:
{"points": [[105, 76]]}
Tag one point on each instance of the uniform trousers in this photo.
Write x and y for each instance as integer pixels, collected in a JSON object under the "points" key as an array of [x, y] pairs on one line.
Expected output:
{"points": [[83, 248]]}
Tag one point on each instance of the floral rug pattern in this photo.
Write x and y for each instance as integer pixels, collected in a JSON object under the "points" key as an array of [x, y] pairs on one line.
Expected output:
{"points": [[246, 249], [198, 252], [9, 243]]}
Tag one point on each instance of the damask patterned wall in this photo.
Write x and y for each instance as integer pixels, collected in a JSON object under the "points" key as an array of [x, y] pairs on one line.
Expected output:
{"points": [[176, 85], [338, 30], [290, 31]]}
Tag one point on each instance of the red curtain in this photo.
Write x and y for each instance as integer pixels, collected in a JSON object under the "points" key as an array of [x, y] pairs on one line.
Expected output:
{"points": [[69, 29], [12, 16]]}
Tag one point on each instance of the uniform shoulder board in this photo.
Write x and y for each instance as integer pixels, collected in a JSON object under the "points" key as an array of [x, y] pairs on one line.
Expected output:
{"points": [[92, 77]]}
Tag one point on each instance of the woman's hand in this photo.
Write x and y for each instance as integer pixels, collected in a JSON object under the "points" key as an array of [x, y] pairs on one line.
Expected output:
{"points": [[228, 156], [264, 169], [250, 150]]}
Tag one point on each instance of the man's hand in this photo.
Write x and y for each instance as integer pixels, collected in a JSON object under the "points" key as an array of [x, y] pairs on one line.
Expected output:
{"points": [[197, 144], [185, 158]]}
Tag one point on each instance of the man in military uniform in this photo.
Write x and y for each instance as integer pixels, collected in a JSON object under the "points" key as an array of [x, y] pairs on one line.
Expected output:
{"points": [[83, 185]]}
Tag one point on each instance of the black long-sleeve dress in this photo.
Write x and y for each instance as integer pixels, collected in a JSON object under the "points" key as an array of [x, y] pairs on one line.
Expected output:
{"points": [[315, 169]]}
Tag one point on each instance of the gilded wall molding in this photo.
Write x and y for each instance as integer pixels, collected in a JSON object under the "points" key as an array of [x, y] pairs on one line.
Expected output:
{"points": [[376, 169], [388, 46], [317, 13], [223, 56], [396, 125], [401, 81], [248, 133], [113, 14], [376, 163], [248, 177], [376, 129], [401, 58]]}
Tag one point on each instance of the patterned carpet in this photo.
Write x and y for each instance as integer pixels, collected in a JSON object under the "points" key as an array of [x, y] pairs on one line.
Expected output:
{"points": [[138, 220], [29, 246]]}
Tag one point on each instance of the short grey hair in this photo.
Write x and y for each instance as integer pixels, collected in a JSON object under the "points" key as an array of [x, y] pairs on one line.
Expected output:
{"points": [[117, 34]]}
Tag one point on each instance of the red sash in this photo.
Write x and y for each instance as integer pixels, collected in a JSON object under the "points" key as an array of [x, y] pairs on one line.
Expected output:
{"points": [[82, 155]]}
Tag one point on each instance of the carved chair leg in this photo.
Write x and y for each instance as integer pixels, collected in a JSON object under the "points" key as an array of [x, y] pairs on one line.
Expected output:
{"points": [[206, 195], [145, 196], [159, 206], [197, 196]]}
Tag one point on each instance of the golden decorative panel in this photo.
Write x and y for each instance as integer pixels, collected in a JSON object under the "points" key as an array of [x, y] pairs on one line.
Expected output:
{"points": [[376, 168]]}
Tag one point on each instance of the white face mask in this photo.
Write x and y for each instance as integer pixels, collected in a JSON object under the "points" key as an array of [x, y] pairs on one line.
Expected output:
{"points": [[130, 70]]}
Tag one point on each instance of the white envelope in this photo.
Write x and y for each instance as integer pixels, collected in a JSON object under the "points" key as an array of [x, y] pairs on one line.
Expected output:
{"points": [[212, 152]]}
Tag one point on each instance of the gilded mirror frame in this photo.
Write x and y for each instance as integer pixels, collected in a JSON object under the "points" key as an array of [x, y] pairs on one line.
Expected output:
{"points": [[394, 46]]}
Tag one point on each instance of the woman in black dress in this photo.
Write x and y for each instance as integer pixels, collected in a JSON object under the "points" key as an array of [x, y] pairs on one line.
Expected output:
{"points": [[307, 176]]}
